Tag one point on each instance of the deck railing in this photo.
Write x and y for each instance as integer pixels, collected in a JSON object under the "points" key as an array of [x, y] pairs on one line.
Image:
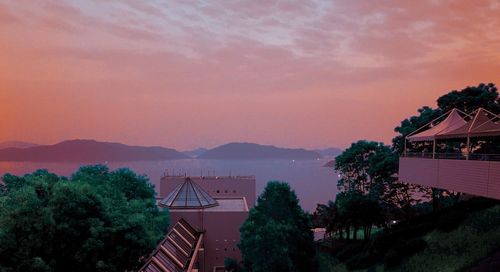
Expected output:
{"points": [[453, 156]]}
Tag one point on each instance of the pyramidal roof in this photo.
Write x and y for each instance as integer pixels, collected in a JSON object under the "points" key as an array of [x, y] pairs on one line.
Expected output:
{"points": [[188, 195]]}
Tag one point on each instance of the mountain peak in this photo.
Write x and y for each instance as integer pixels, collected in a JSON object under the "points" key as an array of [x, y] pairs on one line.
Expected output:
{"points": [[251, 151], [89, 151]]}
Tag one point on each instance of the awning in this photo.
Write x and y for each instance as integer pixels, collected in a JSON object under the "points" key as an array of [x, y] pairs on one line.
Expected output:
{"points": [[483, 124], [452, 122]]}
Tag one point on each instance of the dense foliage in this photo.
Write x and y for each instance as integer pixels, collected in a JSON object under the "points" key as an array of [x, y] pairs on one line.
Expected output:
{"points": [[370, 194], [95, 221], [277, 235], [366, 167]]}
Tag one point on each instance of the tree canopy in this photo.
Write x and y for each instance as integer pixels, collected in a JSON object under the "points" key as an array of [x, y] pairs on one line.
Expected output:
{"points": [[277, 235], [365, 167], [97, 220]]}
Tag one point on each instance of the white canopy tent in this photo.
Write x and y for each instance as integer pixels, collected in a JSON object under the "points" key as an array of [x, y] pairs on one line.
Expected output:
{"points": [[452, 122], [482, 123]]}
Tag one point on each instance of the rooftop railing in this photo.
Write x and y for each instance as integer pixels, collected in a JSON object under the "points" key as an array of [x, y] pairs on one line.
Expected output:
{"points": [[453, 156]]}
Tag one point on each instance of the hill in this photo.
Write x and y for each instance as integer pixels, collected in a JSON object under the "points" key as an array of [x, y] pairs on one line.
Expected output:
{"points": [[329, 152], [195, 152], [463, 237], [88, 151], [251, 151], [16, 144]]}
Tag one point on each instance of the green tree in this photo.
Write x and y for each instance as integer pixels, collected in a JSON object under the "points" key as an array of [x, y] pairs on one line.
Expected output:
{"points": [[357, 211], [92, 222], [277, 235], [366, 167], [327, 216], [471, 98], [231, 265]]}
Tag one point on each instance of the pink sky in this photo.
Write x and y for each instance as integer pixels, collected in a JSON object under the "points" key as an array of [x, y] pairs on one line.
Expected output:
{"points": [[185, 74]]}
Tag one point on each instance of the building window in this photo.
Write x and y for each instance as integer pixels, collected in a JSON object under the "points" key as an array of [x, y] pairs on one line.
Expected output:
{"points": [[218, 191]]}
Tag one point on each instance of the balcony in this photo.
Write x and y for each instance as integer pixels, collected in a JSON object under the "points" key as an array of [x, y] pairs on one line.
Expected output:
{"points": [[475, 177], [460, 153]]}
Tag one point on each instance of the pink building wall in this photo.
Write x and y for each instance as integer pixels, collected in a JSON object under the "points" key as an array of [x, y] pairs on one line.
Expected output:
{"points": [[217, 187], [481, 178], [221, 234]]}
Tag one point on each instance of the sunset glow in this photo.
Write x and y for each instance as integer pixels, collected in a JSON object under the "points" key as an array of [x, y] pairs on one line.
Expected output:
{"points": [[186, 74]]}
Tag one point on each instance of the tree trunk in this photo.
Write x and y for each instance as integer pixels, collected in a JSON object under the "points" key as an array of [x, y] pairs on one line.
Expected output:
{"points": [[435, 199]]}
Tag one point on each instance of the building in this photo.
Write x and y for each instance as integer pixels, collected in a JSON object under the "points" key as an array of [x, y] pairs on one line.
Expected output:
{"points": [[208, 211], [458, 151], [215, 186]]}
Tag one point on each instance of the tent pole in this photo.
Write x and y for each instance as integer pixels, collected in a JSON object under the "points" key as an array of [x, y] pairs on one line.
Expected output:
{"points": [[434, 148], [404, 152]]}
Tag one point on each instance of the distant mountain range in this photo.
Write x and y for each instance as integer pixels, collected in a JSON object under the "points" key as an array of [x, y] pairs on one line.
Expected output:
{"points": [[94, 151], [88, 151], [251, 151], [16, 144], [195, 152], [329, 152]]}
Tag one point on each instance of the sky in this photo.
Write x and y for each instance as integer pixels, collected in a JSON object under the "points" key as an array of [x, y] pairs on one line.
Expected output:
{"points": [[187, 74]]}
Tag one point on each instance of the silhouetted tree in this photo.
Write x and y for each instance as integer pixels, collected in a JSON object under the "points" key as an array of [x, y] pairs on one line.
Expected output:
{"points": [[366, 167], [277, 235], [471, 98], [231, 265]]}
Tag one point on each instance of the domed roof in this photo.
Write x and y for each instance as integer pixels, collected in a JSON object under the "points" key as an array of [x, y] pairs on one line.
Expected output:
{"points": [[188, 195]]}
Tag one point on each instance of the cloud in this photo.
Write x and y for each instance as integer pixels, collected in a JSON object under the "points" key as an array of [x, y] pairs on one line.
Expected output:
{"points": [[290, 58], [6, 16]]}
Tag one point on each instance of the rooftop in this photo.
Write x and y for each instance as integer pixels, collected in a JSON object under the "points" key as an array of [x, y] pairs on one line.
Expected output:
{"points": [[169, 176], [225, 204], [188, 195]]}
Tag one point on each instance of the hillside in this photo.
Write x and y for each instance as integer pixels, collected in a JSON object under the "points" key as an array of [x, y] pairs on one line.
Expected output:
{"points": [[329, 152], [88, 151], [195, 152], [251, 151], [16, 144], [465, 237]]}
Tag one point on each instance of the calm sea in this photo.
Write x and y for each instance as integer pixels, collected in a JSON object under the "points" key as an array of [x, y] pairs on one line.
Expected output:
{"points": [[312, 183]]}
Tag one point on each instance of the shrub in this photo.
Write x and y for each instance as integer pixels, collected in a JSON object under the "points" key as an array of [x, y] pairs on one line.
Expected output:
{"points": [[349, 251], [451, 220], [398, 237], [392, 258], [361, 261], [231, 265], [396, 254]]}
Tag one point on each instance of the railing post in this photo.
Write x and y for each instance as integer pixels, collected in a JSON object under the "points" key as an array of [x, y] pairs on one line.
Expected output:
{"points": [[404, 152], [468, 147]]}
